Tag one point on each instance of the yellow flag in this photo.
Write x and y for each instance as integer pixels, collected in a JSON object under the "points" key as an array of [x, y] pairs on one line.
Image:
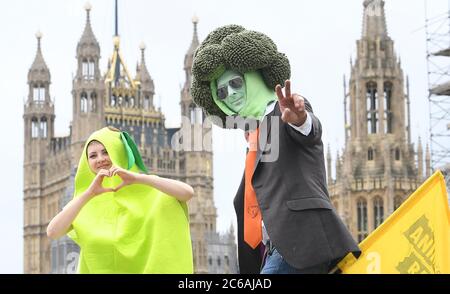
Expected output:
{"points": [[415, 239]]}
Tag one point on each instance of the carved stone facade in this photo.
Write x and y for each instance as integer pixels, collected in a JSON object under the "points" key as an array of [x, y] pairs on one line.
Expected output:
{"points": [[379, 167], [117, 99]]}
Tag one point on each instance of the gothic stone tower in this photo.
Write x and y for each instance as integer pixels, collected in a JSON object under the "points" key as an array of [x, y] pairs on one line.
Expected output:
{"points": [[377, 170], [88, 89], [39, 117], [198, 157]]}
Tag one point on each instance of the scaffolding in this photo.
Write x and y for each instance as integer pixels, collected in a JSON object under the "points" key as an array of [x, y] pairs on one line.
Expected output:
{"points": [[438, 66]]}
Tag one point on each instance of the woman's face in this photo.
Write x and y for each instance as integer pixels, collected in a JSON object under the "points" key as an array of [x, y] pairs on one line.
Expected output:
{"points": [[98, 157]]}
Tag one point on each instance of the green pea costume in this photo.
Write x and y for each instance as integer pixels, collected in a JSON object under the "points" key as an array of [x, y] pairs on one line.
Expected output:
{"points": [[137, 229]]}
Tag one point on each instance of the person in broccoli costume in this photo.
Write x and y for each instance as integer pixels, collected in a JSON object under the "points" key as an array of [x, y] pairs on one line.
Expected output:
{"points": [[124, 220], [286, 222]]}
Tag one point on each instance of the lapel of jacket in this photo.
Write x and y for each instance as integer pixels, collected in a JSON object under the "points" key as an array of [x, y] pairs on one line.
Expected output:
{"points": [[264, 133]]}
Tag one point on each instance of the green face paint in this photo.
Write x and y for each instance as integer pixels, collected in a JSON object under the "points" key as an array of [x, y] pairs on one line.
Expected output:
{"points": [[231, 90], [256, 95]]}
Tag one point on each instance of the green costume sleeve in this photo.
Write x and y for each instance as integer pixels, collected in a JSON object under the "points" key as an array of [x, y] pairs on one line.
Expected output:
{"points": [[137, 229]]}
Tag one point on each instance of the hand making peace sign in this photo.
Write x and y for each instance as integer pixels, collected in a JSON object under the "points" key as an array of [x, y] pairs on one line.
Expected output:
{"points": [[292, 106]]}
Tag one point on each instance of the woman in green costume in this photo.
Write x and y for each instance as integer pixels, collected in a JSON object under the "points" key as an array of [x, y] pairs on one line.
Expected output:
{"points": [[125, 221]]}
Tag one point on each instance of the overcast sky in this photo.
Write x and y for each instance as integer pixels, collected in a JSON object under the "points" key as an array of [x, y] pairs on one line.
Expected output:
{"points": [[319, 37]]}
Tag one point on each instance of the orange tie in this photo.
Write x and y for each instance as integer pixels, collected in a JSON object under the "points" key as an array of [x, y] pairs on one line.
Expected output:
{"points": [[252, 215]]}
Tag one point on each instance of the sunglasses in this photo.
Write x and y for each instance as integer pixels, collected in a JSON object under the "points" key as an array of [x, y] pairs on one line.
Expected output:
{"points": [[235, 83]]}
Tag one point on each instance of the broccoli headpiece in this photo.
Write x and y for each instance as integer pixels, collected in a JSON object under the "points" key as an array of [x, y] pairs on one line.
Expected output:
{"points": [[233, 47]]}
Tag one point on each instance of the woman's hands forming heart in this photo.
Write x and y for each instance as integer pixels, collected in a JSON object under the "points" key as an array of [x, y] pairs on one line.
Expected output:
{"points": [[96, 187], [127, 177]]}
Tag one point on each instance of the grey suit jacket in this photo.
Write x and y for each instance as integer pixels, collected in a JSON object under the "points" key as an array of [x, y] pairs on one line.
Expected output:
{"points": [[293, 198]]}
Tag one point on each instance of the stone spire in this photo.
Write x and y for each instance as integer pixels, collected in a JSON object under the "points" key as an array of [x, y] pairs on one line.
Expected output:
{"points": [[231, 234], [88, 44], [142, 72], [338, 166], [231, 230], [188, 59], [420, 159], [374, 19], [39, 70], [330, 179]]}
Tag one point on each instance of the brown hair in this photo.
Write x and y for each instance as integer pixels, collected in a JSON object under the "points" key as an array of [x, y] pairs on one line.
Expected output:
{"points": [[96, 141], [114, 129]]}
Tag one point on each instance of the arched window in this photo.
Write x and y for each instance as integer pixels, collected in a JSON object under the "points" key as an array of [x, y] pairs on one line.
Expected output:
{"points": [[387, 108], [127, 102], [35, 93], [372, 108], [84, 68], [43, 128], [91, 66], [210, 260], [93, 102], [361, 209], [87, 69], [147, 103], [397, 154], [370, 154], [219, 262], [397, 201], [39, 93], [34, 128], [131, 101], [84, 102], [378, 211], [192, 113], [198, 115], [113, 100]]}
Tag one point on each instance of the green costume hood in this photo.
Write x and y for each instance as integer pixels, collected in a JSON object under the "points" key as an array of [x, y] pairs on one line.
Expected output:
{"points": [[137, 229]]}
